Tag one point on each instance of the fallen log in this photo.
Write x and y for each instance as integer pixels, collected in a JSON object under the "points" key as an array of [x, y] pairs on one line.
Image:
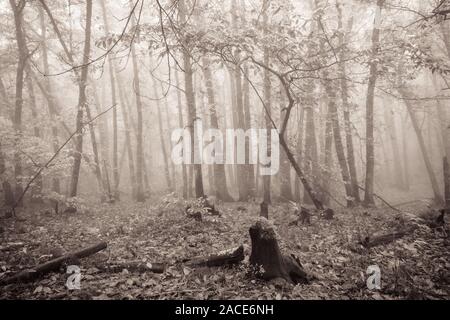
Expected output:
{"points": [[134, 266], [382, 239], [13, 246], [223, 258], [266, 259], [52, 265]]}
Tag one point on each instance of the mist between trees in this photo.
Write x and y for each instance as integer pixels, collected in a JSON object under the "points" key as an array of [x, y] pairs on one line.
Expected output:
{"points": [[355, 92]]}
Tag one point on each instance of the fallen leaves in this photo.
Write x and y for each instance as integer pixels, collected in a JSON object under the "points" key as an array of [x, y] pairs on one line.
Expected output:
{"points": [[416, 265]]}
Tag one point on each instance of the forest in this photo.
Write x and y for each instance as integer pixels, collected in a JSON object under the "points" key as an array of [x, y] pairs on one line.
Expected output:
{"points": [[224, 149]]}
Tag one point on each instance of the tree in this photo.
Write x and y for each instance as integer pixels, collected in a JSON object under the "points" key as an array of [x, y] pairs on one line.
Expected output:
{"points": [[220, 179], [48, 88], [18, 8], [139, 134], [114, 102], [415, 123], [190, 99], [373, 74], [343, 38], [81, 102], [267, 101]]}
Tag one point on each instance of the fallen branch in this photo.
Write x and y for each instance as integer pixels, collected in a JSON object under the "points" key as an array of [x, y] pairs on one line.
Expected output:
{"points": [[382, 239], [52, 265], [12, 246], [224, 258], [134, 266]]}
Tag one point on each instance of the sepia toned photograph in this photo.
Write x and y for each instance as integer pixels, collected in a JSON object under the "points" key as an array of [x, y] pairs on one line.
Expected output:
{"points": [[224, 150]]}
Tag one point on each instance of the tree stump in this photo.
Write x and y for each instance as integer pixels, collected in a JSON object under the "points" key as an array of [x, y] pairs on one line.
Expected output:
{"points": [[267, 260]]}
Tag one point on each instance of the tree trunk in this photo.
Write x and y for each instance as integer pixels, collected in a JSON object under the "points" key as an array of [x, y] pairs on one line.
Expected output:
{"points": [[338, 144], [7, 190], [181, 125], [81, 102], [299, 151], [103, 137], [36, 191], [165, 112], [250, 168], [126, 120], [434, 184], [220, 179], [241, 169], [97, 170], [346, 107], [306, 185], [285, 167], [267, 101], [392, 130], [373, 73], [17, 9], [405, 157], [328, 156], [163, 142], [114, 102], [139, 132], [190, 99], [446, 170]]}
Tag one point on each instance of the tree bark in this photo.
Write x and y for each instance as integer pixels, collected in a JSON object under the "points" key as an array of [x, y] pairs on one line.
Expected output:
{"points": [[181, 125], [241, 169], [81, 102], [18, 8], [299, 151], [249, 168], [190, 99], [328, 156], [383, 239], [267, 255], [446, 171], [97, 170], [225, 258], [405, 157], [338, 144], [126, 120], [220, 179], [346, 106], [285, 167], [434, 184], [114, 102], [267, 101], [373, 74], [139, 133], [392, 131], [163, 142], [7, 190], [36, 192]]}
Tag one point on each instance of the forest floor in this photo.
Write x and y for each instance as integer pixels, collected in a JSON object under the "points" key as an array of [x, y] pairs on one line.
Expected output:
{"points": [[415, 266]]}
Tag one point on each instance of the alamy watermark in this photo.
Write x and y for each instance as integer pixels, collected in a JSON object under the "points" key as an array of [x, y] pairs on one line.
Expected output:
{"points": [[212, 146], [374, 280], [73, 282]]}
